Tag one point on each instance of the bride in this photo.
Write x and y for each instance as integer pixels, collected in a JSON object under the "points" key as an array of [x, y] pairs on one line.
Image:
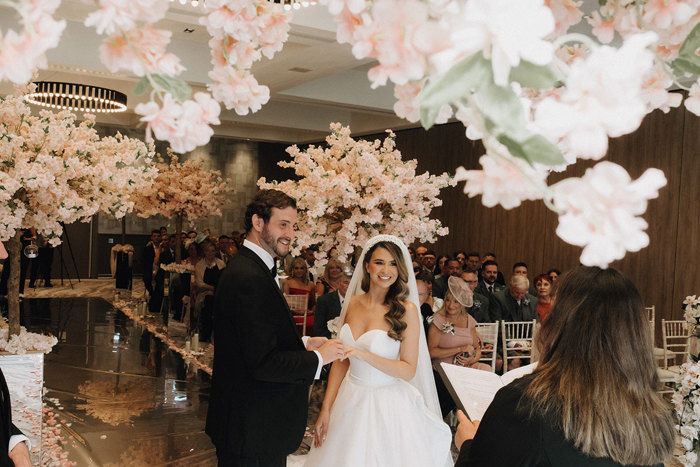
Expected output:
{"points": [[381, 406]]}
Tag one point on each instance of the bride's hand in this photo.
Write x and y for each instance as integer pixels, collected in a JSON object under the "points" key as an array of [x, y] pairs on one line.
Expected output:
{"points": [[354, 352], [321, 428]]}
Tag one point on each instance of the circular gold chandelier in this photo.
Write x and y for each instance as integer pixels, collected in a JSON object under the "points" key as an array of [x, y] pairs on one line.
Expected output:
{"points": [[76, 97]]}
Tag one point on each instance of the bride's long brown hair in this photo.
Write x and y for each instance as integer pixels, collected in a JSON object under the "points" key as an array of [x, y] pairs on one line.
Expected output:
{"points": [[398, 292], [596, 377]]}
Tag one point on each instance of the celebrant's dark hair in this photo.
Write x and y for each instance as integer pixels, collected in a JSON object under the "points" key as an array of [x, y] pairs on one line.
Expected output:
{"points": [[263, 203], [596, 376], [398, 291]]}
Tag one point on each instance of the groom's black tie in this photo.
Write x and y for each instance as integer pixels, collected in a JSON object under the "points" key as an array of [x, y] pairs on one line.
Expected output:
{"points": [[273, 270]]}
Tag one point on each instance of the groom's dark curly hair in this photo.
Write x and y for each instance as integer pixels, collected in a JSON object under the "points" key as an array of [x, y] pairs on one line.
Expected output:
{"points": [[263, 203]]}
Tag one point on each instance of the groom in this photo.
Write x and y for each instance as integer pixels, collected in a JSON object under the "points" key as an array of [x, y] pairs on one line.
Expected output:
{"points": [[262, 368]]}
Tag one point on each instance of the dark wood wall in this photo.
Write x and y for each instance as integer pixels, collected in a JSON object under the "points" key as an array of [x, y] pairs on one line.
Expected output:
{"points": [[665, 272]]}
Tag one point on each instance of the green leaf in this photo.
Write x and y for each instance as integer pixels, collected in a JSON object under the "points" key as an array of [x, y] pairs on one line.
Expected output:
{"points": [[428, 115], [502, 106], [535, 148], [179, 89], [534, 76], [688, 60], [681, 66], [142, 86], [459, 81]]}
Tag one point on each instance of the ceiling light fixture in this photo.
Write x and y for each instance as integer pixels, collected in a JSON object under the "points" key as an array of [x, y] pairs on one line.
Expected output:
{"points": [[77, 97]]}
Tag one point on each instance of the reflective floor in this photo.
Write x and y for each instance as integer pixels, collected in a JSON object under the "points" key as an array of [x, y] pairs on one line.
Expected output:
{"points": [[121, 396]]}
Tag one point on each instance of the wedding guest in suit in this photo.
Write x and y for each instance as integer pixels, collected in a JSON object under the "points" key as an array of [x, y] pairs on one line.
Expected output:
{"points": [[328, 306], [592, 399], [473, 262], [258, 406], [515, 303], [480, 309], [491, 256], [420, 252], [429, 261], [489, 275], [14, 447], [543, 283], [520, 269], [453, 268], [148, 256]]}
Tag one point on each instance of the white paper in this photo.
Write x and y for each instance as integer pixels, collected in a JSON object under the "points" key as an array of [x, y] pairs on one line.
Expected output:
{"points": [[477, 388]]}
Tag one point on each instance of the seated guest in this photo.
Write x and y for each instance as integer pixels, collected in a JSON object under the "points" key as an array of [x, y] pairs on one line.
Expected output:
{"points": [[491, 256], [226, 248], [429, 261], [206, 276], [191, 234], [453, 268], [329, 281], [554, 274], [461, 256], [592, 399], [480, 308], [433, 303], [520, 269], [328, 306], [452, 338], [489, 279], [441, 265], [473, 262], [514, 303], [298, 283], [543, 284], [420, 252]]}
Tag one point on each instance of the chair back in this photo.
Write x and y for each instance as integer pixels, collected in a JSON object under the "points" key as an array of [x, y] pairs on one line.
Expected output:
{"points": [[676, 334], [299, 303], [651, 316], [518, 338], [488, 332]]}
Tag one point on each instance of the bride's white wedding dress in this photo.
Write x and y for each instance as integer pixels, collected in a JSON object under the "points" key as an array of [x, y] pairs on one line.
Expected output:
{"points": [[379, 420]]}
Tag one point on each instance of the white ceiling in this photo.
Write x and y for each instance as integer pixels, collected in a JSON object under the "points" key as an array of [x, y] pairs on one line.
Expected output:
{"points": [[302, 103]]}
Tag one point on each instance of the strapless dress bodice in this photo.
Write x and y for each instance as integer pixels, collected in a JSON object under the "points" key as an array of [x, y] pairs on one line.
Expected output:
{"points": [[379, 343]]}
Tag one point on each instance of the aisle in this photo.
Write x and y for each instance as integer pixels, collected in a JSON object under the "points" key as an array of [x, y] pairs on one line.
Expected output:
{"points": [[121, 397]]}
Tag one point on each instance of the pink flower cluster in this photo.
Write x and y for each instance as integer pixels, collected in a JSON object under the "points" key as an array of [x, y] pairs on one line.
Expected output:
{"points": [[242, 32], [55, 171], [22, 52], [183, 188], [353, 190], [184, 125]]}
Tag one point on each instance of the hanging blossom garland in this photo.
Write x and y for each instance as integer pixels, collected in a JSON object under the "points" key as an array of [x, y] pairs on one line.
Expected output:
{"points": [[507, 71], [24, 51], [353, 190], [56, 172], [183, 188], [242, 32], [181, 119], [686, 398]]}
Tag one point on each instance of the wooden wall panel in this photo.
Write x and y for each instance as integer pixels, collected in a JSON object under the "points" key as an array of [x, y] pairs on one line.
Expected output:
{"points": [[687, 261]]}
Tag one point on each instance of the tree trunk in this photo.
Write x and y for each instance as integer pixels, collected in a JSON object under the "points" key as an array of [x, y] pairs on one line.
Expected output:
{"points": [[178, 233], [124, 230], [14, 249]]}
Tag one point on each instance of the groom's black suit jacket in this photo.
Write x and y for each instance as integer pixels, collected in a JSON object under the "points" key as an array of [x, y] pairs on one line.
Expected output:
{"points": [[262, 371], [7, 428]]}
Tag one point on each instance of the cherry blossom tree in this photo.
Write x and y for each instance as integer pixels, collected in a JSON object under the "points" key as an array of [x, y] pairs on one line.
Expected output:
{"points": [[183, 190], [55, 171], [353, 190]]}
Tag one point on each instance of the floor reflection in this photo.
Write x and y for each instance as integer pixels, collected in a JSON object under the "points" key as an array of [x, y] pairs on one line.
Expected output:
{"points": [[125, 398]]}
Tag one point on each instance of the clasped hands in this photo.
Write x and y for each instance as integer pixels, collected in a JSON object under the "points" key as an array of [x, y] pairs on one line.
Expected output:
{"points": [[332, 349]]}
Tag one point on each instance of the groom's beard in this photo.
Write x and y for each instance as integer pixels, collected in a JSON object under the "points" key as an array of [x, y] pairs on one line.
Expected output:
{"points": [[273, 243]]}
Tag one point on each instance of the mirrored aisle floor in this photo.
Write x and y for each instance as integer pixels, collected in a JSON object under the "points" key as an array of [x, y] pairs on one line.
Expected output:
{"points": [[123, 397]]}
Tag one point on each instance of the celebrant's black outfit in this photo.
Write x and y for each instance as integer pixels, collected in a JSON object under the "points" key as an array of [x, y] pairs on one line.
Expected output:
{"points": [[532, 442], [7, 428], [259, 396], [206, 316]]}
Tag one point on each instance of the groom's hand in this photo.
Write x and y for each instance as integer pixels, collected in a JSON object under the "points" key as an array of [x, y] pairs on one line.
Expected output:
{"points": [[315, 342], [331, 351]]}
